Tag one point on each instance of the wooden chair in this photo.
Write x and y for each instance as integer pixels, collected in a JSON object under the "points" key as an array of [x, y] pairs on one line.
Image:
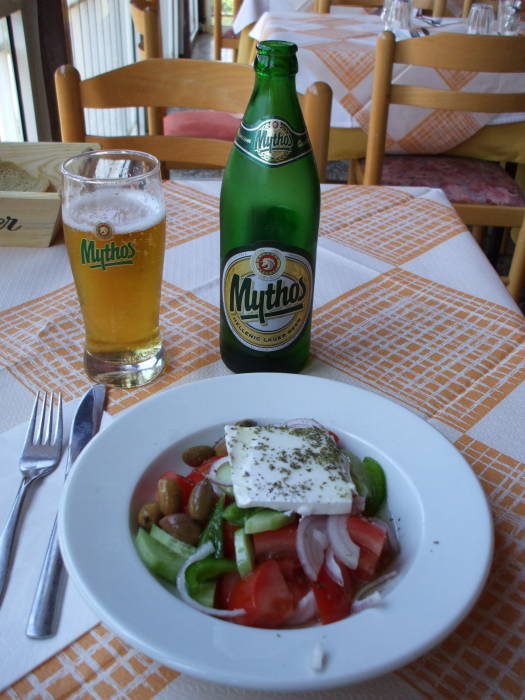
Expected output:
{"points": [[488, 54], [145, 17], [467, 4], [436, 7], [146, 21], [187, 83], [224, 39], [217, 124]]}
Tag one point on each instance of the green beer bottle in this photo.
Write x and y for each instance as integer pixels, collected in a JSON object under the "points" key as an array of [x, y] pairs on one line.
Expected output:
{"points": [[269, 217]]}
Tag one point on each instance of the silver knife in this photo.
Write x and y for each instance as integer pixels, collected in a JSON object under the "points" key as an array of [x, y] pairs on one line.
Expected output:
{"points": [[44, 615]]}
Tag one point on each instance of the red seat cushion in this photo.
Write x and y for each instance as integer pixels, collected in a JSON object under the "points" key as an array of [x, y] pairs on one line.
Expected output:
{"points": [[464, 180], [202, 124]]}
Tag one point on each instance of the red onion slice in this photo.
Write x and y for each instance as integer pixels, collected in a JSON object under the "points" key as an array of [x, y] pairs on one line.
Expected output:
{"points": [[202, 552], [344, 547], [219, 486], [390, 532], [311, 542], [368, 602], [333, 568], [305, 610], [376, 583], [212, 473]]}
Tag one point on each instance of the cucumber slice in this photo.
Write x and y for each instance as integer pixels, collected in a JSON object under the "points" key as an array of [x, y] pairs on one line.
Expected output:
{"points": [[221, 475], [266, 520], [158, 558], [243, 552], [172, 543], [224, 473]]}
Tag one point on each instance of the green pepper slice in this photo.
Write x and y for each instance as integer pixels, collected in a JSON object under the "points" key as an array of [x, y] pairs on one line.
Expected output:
{"points": [[369, 478], [376, 485], [213, 530], [238, 516], [201, 577]]}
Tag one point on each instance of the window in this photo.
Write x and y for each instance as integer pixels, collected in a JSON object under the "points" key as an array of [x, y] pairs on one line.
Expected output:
{"points": [[11, 125]]}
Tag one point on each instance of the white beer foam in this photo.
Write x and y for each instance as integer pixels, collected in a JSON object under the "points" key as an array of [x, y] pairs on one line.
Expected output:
{"points": [[126, 211]]}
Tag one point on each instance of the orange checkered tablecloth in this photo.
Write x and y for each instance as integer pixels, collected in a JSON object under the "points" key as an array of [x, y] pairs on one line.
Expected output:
{"points": [[339, 50], [405, 305]]}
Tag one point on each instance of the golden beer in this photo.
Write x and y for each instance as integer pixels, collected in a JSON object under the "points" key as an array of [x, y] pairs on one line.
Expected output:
{"points": [[115, 240]]}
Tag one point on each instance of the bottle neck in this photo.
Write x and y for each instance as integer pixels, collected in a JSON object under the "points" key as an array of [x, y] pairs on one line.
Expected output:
{"points": [[275, 64], [274, 94]]}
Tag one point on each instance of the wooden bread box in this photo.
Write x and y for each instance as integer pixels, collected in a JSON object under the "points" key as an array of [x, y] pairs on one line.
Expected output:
{"points": [[32, 218]]}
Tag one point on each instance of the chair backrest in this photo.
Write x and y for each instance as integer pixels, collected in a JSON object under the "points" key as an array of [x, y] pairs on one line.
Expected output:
{"points": [[436, 7], [480, 54], [146, 20], [467, 4], [145, 17], [219, 40], [177, 82]]}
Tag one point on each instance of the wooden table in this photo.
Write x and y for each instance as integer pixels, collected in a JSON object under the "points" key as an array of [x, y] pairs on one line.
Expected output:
{"points": [[405, 305]]}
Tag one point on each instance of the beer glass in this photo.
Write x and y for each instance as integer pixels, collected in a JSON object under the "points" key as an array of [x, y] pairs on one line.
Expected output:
{"points": [[480, 19], [397, 15], [114, 226], [508, 17]]}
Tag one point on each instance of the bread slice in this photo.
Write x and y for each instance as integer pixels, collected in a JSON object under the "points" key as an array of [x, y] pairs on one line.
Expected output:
{"points": [[13, 178]]}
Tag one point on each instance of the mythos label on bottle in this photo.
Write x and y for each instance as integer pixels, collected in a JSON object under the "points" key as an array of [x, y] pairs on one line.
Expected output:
{"points": [[272, 142], [267, 296]]}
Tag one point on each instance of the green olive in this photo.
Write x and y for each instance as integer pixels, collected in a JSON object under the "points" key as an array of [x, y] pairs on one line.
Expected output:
{"points": [[182, 527], [170, 496], [201, 500], [195, 456], [246, 423], [220, 449], [149, 515]]}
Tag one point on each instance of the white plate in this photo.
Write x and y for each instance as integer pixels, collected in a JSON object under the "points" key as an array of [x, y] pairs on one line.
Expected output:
{"points": [[445, 532]]}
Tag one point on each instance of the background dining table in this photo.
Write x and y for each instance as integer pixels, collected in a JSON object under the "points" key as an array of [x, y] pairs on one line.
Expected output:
{"points": [[251, 10], [338, 48], [405, 305]]}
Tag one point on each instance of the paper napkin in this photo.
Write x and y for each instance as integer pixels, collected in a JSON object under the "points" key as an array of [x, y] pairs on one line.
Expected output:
{"points": [[18, 653]]}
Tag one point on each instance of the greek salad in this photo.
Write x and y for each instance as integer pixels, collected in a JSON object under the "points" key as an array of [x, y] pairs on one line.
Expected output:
{"points": [[274, 526]]}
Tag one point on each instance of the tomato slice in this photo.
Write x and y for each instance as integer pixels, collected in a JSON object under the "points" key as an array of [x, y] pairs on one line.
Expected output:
{"points": [[367, 565], [367, 534], [195, 476], [334, 602], [264, 595], [335, 437], [296, 580], [169, 475], [225, 586], [228, 537], [273, 543], [204, 468]]}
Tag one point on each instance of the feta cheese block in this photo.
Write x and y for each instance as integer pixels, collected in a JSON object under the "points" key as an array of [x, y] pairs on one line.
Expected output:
{"points": [[289, 469]]}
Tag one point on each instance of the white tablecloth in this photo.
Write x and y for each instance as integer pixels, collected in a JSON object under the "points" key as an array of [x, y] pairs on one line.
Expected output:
{"points": [[405, 304], [251, 10]]}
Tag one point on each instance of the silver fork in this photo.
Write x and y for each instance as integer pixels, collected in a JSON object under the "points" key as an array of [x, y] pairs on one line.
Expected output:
{"points": [[40, 456]]}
